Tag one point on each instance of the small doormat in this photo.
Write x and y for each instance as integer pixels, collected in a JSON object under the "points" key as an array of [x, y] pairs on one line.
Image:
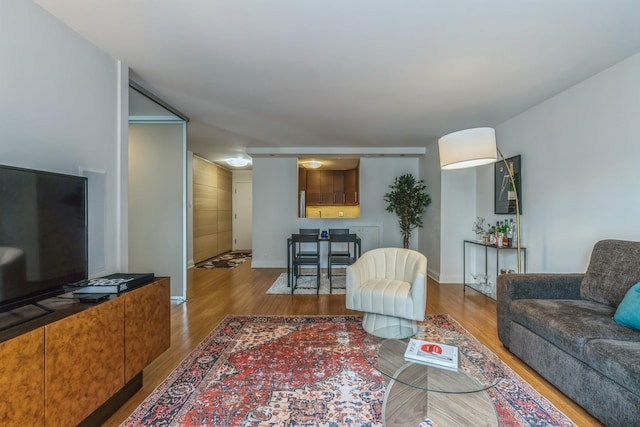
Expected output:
{"points": [[307, 285], [228, 260]]}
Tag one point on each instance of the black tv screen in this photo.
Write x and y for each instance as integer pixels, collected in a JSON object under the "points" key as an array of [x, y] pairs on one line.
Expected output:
{"points": [[43, 234]]}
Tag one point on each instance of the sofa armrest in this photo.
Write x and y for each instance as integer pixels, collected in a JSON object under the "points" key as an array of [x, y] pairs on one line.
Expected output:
{"points": [[512, 287]]}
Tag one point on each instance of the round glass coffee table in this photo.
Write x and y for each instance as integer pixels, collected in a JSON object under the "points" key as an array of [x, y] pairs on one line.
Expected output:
{"points": [[416, 392]]}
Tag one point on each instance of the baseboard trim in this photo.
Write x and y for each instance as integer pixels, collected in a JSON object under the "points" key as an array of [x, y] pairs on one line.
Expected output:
{"points": [[267, 264]]}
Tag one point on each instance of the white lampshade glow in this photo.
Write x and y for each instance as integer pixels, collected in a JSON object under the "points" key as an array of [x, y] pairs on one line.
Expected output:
{"points": [[238, 162], [468, 148]]}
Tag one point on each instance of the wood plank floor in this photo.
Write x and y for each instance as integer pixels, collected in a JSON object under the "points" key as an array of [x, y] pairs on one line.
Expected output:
{"points": [[216, 293]]}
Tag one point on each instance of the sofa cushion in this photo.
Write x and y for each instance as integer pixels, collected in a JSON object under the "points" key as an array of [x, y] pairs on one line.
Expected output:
{"points": [[569, 324], [628, 312], [618, 360], [614, 267]]}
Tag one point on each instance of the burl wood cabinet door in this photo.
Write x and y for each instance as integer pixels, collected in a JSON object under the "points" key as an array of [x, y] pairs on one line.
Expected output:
{"points": [[147, 325], [84, 364], [22, 380]]}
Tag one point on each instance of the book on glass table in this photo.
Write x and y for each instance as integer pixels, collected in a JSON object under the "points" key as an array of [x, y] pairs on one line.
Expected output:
{"points": [[432, 354]]}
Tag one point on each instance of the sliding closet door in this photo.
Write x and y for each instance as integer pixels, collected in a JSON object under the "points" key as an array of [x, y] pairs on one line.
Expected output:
{"points": [[211, 210], [157, 223]]}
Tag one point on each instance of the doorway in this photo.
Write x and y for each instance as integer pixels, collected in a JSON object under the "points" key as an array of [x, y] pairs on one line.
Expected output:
{"points": [[242, 208]]}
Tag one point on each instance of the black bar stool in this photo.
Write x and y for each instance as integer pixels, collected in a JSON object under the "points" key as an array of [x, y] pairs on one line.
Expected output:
{"points": [[304, 258], [341, 257]]}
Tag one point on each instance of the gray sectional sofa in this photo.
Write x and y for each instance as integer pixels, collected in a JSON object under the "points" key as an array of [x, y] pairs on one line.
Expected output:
{"points": [[561, 325]]}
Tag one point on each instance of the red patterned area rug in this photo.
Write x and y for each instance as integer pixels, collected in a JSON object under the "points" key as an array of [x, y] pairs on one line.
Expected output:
{"points": [[311, 371]]}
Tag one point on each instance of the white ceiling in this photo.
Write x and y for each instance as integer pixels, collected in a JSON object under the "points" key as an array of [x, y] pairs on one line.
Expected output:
{"points": [[352, 73]]}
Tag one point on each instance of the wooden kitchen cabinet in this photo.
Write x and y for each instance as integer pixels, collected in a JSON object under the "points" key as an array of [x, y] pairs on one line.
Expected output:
{"points": [[319, 187], [314, 189], [338, 187], [330, 187], [302, 179], [326, 187], [351, 187]]}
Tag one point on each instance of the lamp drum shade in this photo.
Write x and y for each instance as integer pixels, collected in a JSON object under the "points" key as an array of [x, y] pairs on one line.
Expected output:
{"points": [[468, 148]]}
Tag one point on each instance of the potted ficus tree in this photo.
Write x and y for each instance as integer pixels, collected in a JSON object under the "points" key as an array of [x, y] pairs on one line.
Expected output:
{"points": [[408, 199]]}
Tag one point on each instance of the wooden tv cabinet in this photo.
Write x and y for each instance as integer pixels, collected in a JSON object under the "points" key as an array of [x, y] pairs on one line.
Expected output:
{"points": [[78, 364]]}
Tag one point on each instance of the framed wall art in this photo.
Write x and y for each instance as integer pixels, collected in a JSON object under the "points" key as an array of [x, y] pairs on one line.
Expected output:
{"points": [[504, 194]]}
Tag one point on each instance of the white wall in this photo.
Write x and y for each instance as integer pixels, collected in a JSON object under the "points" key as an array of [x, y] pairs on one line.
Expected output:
{"points": [[157, 241], [580, 151], [61, 108], [458, 195], [430, 233], [275, 188], [376, 175], [275, 185], [242, 176]]}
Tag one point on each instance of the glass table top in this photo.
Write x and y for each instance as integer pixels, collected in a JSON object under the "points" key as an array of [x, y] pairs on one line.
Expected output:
{"points": [[416, 392], [390, 362]]}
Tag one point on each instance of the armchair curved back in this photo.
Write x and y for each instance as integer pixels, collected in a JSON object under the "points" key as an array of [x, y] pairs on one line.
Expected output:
{"points": [[391, 263], [394, 275]]}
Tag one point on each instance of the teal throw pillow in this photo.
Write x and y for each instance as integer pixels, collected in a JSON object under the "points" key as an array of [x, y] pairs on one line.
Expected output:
{"points": [[628, 312]]}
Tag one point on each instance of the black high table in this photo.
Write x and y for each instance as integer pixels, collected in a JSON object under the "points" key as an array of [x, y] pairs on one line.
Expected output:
{"points": [[321, 239]]}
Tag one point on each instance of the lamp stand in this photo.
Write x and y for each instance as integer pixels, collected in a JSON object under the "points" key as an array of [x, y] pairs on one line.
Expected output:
{"points": [[515, 190]]}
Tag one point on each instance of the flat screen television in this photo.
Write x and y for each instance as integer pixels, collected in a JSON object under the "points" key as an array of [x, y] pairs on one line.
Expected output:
{"points": [[43, 234]]}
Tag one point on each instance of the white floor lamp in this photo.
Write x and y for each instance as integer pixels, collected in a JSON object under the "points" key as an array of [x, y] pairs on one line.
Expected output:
{"points": [[475, 147]]}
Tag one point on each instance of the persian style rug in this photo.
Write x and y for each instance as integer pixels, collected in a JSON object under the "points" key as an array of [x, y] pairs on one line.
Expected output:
{"points": [[228, 260], [307, 285], [311, 371]]}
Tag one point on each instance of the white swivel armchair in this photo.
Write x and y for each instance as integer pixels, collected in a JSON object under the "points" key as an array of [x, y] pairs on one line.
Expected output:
{"points": [[389, 285]]}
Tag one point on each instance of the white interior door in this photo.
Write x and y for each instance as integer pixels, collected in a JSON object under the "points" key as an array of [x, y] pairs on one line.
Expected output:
{"points": [[242, 216]]}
